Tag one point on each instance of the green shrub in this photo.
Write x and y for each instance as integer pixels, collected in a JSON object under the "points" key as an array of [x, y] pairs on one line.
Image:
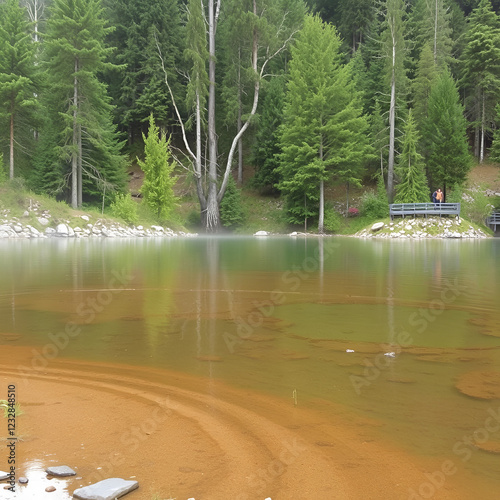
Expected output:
{"points": [[476, 206], [373, 206], [333, 220], [124, 207], [231, 207]]}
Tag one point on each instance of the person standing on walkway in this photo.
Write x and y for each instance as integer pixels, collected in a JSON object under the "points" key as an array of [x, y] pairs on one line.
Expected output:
{"points": [[439, 196]]}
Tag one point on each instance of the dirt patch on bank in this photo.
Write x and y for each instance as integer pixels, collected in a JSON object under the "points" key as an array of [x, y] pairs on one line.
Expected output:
{"points": [[486, 175]]}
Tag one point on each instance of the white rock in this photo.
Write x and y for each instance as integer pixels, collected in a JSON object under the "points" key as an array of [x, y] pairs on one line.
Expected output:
{"points": [[261, 233], [349, 350], [377, 226], [43, 221], [108, 489], [62, 230], [108, 233], [49, 231]]}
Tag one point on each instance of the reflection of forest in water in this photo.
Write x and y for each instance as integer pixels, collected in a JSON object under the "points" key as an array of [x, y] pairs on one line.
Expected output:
{"points": [[279, 315]]}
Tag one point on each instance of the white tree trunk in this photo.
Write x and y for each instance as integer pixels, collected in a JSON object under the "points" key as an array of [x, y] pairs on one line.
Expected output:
{"points": [[321, 221], [483, 120], [435, 30], [11, 146], [80, 168], [240, 142], [212, 219], [74, 155], [392, 120]]}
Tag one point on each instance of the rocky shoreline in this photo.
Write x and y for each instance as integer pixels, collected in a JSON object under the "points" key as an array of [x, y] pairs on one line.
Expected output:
{"points": [[44, 226], [420, 228]]}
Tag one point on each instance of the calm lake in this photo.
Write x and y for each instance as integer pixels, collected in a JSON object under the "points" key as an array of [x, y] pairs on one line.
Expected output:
{"points": [[406, 334]]}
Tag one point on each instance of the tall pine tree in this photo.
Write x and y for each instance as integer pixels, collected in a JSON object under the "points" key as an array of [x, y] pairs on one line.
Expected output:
{"points": [[323, 130], [412, 187], [17, 85], [481, 70], [84, 146], [445, 134]]}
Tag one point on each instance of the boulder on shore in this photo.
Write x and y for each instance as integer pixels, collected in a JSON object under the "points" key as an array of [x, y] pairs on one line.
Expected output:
{"points": [[377, 226]]}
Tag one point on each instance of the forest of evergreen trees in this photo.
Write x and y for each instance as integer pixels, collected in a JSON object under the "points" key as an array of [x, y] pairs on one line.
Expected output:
{"points": [[305, 92]]}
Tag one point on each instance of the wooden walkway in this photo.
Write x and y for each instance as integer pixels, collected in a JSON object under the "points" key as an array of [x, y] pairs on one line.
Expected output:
{"points": [[493, 221], [404, 209]]}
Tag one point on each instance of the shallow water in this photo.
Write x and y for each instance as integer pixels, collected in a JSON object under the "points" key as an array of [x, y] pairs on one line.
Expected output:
{"points": [[384, 329]]}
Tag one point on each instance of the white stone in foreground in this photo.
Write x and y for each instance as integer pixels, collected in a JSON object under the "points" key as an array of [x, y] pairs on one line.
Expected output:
{"points": [[60, 471], [3, 475], [109, 489], [261, 233], [377, 226]]}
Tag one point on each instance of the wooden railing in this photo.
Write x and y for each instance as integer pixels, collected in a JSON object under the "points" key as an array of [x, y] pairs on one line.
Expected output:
{"points": [[493, 220], [404, 209]]}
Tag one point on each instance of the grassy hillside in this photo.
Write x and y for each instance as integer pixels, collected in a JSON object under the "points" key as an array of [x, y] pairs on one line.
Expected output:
{"points": [[262, 212]]}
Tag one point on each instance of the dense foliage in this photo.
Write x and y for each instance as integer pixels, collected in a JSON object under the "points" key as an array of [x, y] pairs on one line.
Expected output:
{"points": [[301, 101]]}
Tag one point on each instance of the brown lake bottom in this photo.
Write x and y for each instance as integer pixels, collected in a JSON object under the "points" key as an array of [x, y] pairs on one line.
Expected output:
{"points": [[183, 436]]}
